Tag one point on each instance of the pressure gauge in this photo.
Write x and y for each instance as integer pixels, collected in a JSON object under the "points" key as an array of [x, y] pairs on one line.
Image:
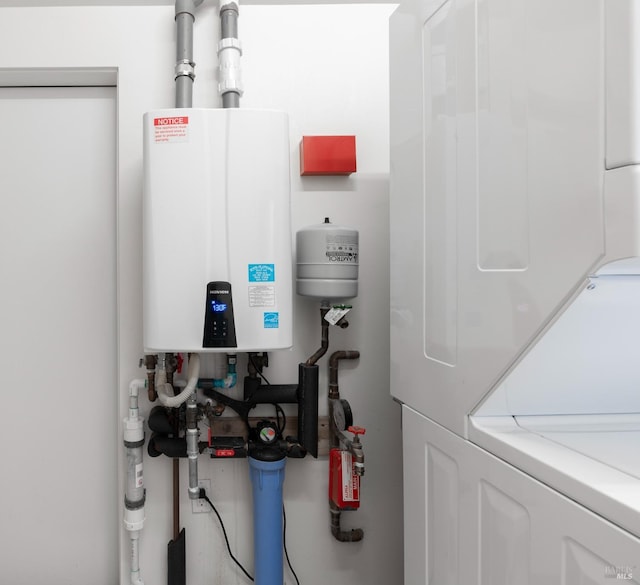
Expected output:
{"points": [[342, 415], [267, 432]]}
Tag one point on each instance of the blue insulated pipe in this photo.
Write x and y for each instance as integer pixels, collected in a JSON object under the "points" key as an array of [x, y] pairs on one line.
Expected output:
{"points": [[267, 478]]}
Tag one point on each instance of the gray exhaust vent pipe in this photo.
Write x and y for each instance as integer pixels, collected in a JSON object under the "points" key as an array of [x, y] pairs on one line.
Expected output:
{"points": [[185, 67]]}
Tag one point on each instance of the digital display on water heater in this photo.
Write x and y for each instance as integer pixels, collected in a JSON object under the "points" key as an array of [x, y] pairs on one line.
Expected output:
{"points": [[219, 326]]}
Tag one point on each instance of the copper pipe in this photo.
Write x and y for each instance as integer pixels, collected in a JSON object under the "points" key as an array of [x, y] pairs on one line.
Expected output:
{"points": [[150, 362], [325, 338], [354, 535], [336, 356], [357, 534]]}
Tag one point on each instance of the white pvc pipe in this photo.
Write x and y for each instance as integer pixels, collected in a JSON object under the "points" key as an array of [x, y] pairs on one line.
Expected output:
{"points": [[192, 446], [229, 52], [165, 390], [134, 493], [136, 579]]}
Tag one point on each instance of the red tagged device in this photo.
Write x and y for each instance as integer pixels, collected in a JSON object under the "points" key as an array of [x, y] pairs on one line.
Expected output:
{"points": [[327, 155], [344, 484]]}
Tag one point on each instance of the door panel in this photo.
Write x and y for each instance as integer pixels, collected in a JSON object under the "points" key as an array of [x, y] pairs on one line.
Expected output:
{"points": [[58, 334]]}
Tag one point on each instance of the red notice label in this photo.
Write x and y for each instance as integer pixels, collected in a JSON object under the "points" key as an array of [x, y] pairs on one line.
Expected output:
{"points": [[225, 452], [170, 121], [171, 129]]}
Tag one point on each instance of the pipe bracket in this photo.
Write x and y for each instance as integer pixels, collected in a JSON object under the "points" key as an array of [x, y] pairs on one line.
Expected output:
{"points": [[129, 505]]}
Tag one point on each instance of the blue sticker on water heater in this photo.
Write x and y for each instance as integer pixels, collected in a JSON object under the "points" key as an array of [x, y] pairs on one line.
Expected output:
{"points": [[262, 272], [271, 320]]}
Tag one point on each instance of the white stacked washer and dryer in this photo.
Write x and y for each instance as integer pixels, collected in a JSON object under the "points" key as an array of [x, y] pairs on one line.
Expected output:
{"points": [[515, 292]]}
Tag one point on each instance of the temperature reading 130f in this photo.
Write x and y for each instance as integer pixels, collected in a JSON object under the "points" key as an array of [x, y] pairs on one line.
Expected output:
{"points": [[217, 307]]}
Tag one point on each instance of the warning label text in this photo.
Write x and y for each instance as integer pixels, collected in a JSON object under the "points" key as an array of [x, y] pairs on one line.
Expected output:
{"points": [[171, 129]]}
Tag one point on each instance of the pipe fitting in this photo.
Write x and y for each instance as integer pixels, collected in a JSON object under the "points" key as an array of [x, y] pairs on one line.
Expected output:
{"points": [[187, 6], [230, 43], [170, 362], [185, 68], [334, 362], [324, 342], [151, 361], [229, 53], [354, 535], [228, 5], [358, 458], [165, 390]]}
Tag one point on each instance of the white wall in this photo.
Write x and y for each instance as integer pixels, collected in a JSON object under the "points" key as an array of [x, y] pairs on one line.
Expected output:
{"points": [[328, 67]]}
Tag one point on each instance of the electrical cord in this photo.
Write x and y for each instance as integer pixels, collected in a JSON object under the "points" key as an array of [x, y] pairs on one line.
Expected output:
{"points": [[203, 496], [284, 542], [258, 371], [280, 411]]}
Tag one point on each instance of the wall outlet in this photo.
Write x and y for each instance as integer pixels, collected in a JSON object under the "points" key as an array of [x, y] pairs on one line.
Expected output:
{"points": [[201, 506]]}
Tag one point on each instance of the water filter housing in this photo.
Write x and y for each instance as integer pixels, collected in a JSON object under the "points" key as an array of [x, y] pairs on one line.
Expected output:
{"points": [[216, 231]]}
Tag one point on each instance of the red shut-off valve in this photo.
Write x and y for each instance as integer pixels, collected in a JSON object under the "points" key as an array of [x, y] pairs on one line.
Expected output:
{"points": [[356, 431]]}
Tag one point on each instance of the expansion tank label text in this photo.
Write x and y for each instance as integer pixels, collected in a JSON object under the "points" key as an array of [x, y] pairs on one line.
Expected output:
{"points": [[342, 248]]}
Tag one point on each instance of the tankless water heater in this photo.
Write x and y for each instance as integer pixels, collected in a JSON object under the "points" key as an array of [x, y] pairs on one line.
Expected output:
{"points": [[217, 231]]}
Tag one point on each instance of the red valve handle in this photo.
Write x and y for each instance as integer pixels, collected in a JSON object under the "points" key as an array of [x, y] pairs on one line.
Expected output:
{"points": [[180, 361], [357, 430]]}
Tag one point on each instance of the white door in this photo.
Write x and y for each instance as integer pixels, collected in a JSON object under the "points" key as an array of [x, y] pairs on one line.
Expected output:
{"points": [[58, 443]]}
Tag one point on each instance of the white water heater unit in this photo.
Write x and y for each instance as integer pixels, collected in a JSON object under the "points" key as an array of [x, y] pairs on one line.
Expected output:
{"points": [[217, 231]]}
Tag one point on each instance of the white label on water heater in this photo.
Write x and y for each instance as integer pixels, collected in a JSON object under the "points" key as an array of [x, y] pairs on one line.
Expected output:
{"points": [[171, 129], [262, 296], [262, 272]]}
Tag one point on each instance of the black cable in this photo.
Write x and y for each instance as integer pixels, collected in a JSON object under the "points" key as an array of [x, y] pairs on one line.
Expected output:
{"points": [[204, 496], [284, 542], [280, 411], [258, 371]]}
